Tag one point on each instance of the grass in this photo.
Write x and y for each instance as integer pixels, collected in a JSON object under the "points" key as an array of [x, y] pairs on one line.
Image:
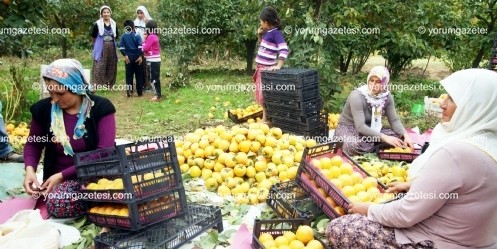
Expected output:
{"points": [[186, 109], [180, 112]]}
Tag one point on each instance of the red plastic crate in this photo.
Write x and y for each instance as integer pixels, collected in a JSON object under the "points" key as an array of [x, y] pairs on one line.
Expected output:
{"points": [[137, 186], [397, 156], [308, 171], [144, 213]]}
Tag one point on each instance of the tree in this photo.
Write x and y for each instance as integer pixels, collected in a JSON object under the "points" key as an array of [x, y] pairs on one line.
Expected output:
{"points": [[484, 14], [79, 16], [17, 15]]}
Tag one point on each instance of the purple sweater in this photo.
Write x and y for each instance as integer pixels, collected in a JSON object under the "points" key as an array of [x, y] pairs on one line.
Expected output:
{"points": [[272, 48], [65, 163]]}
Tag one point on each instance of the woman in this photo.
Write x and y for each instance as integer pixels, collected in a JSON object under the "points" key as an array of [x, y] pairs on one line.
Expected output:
{"points": [[142, 16], [70, 121], [104, 35], [450, 203], [360, 124]]}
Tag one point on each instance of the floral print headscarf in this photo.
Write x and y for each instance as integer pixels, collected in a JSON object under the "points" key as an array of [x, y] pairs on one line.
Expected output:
{"points": [[70, 74]]}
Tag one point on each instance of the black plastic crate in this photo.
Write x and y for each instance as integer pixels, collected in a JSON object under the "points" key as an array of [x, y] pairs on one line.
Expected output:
{"points": [[143, 213], [277, 228], [130, 187], [169, 234], [298, 77], [244, 119], [273, 93], [289, 200], [301, 124], [294, 110], [127, 158]]}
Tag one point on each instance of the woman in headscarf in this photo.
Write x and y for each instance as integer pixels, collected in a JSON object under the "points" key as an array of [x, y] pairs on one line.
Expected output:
{"points": [[104, 35], [71, 120], [360, 124], [142, 17], [450, 201]]}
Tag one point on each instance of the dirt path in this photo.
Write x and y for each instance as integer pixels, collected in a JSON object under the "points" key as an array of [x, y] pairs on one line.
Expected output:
{"points": [[436, 68]]}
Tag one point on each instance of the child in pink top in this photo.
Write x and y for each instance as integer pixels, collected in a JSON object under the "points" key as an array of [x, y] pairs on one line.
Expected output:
{"points": [[151, 52]]}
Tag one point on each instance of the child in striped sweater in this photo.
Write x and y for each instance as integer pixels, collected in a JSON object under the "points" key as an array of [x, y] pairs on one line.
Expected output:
{"points": [[272, 52]]}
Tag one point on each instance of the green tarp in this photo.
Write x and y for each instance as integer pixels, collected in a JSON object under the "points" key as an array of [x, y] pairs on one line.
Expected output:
{"points": [[11, 178]]}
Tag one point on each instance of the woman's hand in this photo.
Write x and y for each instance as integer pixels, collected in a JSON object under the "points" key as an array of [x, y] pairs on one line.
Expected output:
{"points": [[126, 59], [359, 208], [51, 182], [397, 187], [408, 142], [31, 179], [396, 142]]}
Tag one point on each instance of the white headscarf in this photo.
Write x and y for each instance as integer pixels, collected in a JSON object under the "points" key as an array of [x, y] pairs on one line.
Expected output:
{"points": [[140, 24], [100, 22], [474, 91], [377, 102]]}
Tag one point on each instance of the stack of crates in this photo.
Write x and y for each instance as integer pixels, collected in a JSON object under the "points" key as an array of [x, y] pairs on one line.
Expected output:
{"points": [[135, 187], [293, 103]]}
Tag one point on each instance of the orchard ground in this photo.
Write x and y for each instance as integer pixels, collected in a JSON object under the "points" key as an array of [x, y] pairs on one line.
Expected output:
{"points": [[188, 108]]}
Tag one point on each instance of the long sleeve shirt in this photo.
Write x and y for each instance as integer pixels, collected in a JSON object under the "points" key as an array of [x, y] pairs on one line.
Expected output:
{"points": [[357, 112], [451, 203], [130, 44], [65, 163], [151, 48], [272, 48]]}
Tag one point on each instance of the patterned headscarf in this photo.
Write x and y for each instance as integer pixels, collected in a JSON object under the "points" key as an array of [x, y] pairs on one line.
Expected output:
{"points": [[70, 74], [100, 22], [378, 101]]}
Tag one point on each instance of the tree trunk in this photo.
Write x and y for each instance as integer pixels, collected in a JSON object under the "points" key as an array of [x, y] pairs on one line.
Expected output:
{"points": [[317, 10], [63, 39], [481, 51], [344, 62], [63, 45], [249, 58], [478, 57]]}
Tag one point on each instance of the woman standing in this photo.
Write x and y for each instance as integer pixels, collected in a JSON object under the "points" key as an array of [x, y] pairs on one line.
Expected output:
{"points": [[104, 35]]}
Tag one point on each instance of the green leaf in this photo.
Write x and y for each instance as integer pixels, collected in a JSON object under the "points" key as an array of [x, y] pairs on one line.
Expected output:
{"points": [[80, 223], [322, 224], [82, 244]]}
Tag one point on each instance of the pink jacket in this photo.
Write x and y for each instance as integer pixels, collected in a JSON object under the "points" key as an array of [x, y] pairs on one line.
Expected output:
{"points": [[151, 47]]}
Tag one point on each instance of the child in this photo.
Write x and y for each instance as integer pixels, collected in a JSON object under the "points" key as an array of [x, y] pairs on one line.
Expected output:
{"points": [[130, 46], [151, 51], [272, 51]]}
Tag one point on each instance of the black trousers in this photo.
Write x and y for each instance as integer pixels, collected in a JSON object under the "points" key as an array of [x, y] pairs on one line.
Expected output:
{"points": [[155, 77], [133, 69]]}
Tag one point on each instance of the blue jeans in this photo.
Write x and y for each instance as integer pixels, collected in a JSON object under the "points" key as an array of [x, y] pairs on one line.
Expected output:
{"points": [[5, 147]]}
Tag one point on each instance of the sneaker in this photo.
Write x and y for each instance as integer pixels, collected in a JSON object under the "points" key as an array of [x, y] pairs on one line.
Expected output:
{"points": [[13, 157]]}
